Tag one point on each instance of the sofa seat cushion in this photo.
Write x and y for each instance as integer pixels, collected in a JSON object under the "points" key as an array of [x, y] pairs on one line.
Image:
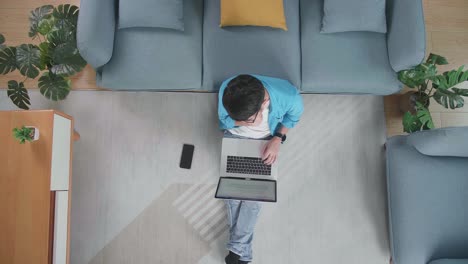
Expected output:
{"points": [[156, 58], [349, 62], [231, 51], [428, 201]]}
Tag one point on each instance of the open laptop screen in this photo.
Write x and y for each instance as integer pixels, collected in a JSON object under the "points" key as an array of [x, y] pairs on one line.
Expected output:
{"points": [[246, 189]]}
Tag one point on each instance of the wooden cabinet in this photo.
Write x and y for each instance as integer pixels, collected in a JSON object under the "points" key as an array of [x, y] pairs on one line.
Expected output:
{"points": [[35, 188]]}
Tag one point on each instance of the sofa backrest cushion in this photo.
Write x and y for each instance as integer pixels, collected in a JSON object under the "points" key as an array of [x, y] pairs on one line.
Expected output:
{"points": [[448, 142], [354, 15], [151, 13], [449, 261]]}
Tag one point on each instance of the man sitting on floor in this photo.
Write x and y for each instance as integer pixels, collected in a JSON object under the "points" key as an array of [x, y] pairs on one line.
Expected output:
{"points": [[255, 107]]}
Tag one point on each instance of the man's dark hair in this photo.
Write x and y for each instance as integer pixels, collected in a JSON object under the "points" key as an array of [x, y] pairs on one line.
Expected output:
{"points": [[243, 97]]}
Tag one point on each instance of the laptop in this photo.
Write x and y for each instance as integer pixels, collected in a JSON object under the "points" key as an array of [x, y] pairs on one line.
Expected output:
{"points": [[243, 174]]}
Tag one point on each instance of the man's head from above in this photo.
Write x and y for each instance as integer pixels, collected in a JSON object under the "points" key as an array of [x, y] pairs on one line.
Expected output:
{"points": [[244, 97]]}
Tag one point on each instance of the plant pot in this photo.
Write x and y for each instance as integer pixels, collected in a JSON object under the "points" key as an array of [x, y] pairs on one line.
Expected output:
{"points": [[409, 99], [34, 133]]}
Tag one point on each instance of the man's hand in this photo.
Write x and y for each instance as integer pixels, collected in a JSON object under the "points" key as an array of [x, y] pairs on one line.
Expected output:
{"points": [[270, 153]]}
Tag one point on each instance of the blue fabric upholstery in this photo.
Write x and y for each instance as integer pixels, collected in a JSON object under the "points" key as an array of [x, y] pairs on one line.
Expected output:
{"points": [[354, 15], [350, 62], [450, 141], [406, 35], [204, 54], [428, 204], [449, 261], [151, 13], [95, 33], [231, 51], [156, 58]]}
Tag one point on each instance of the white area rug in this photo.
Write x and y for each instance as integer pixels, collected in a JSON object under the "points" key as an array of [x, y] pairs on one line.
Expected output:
{"points": [[132, 204]]}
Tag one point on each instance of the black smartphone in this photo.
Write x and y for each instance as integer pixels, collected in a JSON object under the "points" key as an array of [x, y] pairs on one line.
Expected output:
{"points": [[187, 156]]}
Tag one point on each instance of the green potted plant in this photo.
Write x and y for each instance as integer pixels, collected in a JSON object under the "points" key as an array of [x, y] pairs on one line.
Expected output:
{"points": [[427, 83], [26, 133], [55, 58]]}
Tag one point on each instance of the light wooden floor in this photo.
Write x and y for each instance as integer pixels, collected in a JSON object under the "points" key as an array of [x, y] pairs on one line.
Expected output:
{"points": [[14, 25], [447, 35]]}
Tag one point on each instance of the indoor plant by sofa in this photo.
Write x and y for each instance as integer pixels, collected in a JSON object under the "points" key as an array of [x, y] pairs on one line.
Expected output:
{"points": [[203, 55]]}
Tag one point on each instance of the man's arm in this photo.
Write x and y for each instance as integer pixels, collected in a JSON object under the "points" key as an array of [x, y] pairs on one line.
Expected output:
{"points": [[294, 113], [271, 150], [283, 130], [270, 153]]}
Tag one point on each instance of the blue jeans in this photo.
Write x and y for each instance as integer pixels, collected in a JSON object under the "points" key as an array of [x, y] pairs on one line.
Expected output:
{"points": [[242, 216]]}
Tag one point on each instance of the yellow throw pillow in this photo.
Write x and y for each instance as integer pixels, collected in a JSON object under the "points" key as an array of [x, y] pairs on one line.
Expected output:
{"points": [[266, 13]]}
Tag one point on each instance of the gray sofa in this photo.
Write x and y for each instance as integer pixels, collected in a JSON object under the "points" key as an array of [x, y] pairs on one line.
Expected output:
{"points": [[427, 177], [203, 55]]}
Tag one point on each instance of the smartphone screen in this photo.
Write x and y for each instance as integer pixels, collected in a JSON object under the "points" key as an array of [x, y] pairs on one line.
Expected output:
{"points": [[187, 155]]}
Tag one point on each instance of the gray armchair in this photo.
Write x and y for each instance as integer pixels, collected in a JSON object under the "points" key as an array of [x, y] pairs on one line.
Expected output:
{"points": [[427, 177]]}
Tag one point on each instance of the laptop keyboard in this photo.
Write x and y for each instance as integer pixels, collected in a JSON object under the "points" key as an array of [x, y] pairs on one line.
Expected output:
{"points": [[247, 165]]}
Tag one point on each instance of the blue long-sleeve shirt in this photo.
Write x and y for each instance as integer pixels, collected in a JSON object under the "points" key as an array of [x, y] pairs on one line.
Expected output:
{"points": [[285, 107]]}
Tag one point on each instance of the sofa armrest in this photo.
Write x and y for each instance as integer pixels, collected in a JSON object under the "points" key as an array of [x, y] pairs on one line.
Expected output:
{"points": [[442, 142], [406, 34], [96, 29]]}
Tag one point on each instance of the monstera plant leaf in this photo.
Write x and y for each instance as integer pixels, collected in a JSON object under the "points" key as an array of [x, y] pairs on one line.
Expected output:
{"points": [[46, 26], [449, 99], [18, 94], [422, 120], [7, 60], [411, 123], [28, 60], [418, 76], [426, 69], [449, 79], [2, 40], [54, 87], [46, 56], [424, 116], [36, 17], [410, 78], [67, 60], [60, 36], [446, 94], [427, 72], [66, 17], [436, 59], [462, 92]]}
